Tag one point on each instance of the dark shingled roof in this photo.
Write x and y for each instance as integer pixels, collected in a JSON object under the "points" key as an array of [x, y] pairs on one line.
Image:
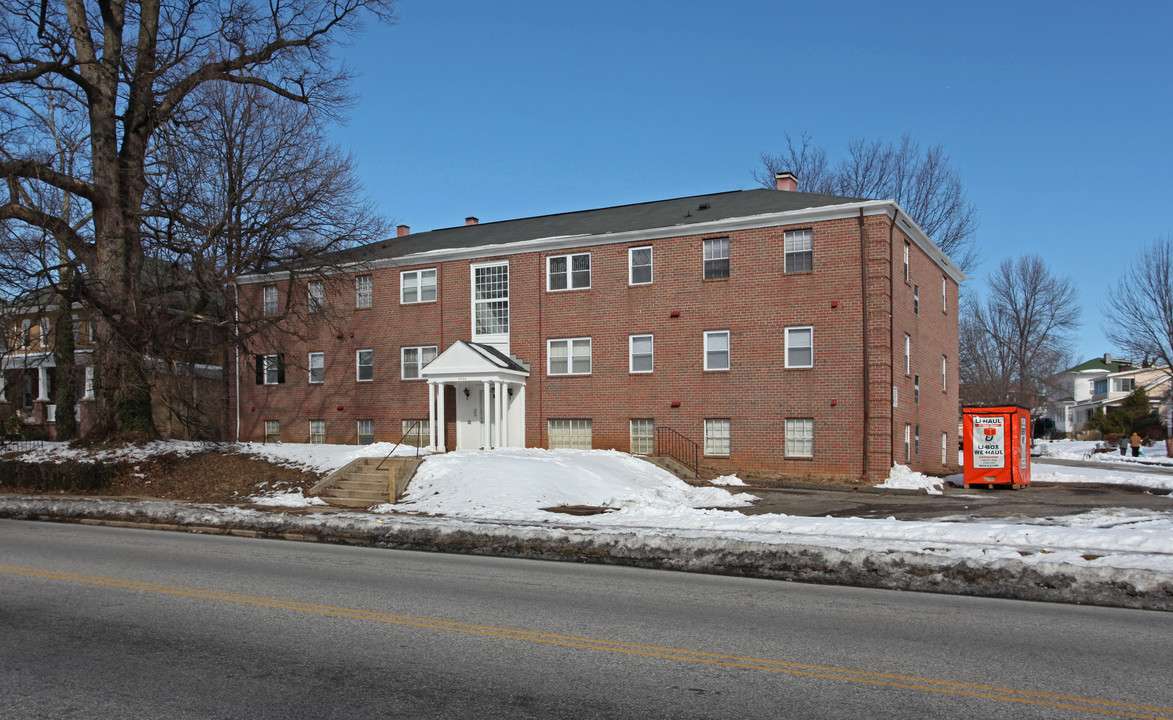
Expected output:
{"points": [[622, 218]]}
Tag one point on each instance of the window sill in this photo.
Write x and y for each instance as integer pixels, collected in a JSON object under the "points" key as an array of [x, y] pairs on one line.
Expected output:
{"points": [[713, 280], [418, 302]]}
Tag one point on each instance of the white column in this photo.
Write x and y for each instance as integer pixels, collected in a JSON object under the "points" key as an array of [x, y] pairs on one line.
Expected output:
{"points": [[441, 422], [431, 414], [501, 424], [89, 388], [486, 441], [3, 384], [43, 390]]}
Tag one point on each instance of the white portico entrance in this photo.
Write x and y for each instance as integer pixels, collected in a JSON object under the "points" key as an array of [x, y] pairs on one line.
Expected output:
{"points": [[490, 397]]}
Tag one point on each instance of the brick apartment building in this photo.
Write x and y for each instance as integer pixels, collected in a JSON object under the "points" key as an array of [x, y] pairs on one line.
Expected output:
{"points": [[785, 333]]}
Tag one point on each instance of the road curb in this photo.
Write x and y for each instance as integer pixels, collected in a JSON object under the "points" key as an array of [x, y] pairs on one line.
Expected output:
{"points": [[891, 570]]}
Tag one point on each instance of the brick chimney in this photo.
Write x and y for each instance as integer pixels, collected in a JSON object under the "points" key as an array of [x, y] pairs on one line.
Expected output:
{"points": [[470, 220], [402, 230], [786, 181]]}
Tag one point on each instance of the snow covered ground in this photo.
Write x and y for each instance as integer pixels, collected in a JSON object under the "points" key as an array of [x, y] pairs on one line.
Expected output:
{"points": [[513, 488]]}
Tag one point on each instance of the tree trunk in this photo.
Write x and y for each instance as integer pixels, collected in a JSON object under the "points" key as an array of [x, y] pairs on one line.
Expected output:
{"points": [[65, 394]]}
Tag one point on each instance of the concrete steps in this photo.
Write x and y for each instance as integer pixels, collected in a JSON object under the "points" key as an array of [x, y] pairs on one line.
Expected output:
{"points": [[673, 466]]}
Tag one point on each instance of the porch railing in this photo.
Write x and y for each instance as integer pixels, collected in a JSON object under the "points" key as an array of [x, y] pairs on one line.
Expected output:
{"points": [[679, 448]]}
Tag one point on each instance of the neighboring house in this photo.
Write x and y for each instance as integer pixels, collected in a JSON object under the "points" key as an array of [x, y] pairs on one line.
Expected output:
{"points": [[28, 374], [785, 333], [1076, 394]]}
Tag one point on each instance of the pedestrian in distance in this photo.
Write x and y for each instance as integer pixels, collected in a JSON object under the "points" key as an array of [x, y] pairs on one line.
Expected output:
{"points": [[1122, 443], [1134, 441]]}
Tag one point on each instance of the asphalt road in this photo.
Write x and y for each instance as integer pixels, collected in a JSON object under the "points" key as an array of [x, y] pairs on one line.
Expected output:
{"points": [[107, 622]]}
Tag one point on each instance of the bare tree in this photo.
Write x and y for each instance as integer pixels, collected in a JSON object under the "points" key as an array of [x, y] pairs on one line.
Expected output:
{"points": [[1139, 311], [134, 70], [1020, 335], [923, 181]]}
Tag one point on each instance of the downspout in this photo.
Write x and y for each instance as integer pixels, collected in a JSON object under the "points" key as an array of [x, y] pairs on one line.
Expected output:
{"points": [[892, 334], [867, 384], [236, 332]]}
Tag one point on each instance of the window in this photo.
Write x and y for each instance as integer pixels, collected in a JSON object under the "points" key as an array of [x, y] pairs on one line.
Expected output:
{"points": [[93, 331], [944, 448], [799, 251], [417, 286], [270, 296], [916, 440], [717, 350], [490, 300], [907, 248], [907, 353], [572, 434], [317, 432], [1100, 387], [364, 293], [315, 296], [716, 436], [571, 356], [716, 258], [45, 332], [916, 299], [272, 431], [416, 432], [413, 359], [944, 373], [317, 367], [641, 347], [895, 396], [639, 265], [643, 437], [907, 443], [1123, 384], [944, 294], [916, 389], [568, 272], [366, 432], [270, 369], [800, 437], [364, 365], [800, 347], [26, 334]]}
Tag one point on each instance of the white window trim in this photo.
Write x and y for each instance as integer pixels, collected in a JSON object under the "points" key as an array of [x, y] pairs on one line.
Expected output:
{"points": [[916, 299], [631, 265], [791, 452], [276, 368], [266, 291], [728, 258], [808, 235], [489, 338], [786, 345], [358, 292], [359, 433], [631, 353], [315, 302], [728, 351], [569, 257], [631, 436], [944, 373], [310, 368], [944, 294], [705, 439], [322, 434], [419, 362], [357, 366], [419, 286], [569, 356], [907, 354]]}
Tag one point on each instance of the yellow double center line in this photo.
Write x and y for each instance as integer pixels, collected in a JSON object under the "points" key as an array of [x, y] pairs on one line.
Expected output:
{"points": [[947, 687]]}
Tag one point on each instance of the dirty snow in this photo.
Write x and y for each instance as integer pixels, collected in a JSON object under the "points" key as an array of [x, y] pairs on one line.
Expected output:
{"points": [[903, 478]]}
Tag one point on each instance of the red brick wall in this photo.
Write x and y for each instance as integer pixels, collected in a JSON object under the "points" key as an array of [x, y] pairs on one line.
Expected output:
{"points": [[754, 304]]}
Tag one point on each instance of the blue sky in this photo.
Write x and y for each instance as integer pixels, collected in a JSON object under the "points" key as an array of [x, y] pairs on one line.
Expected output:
{"points": [[1059, 116]]}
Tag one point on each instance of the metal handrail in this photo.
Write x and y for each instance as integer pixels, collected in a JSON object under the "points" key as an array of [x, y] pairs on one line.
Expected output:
{"points": [[411, 427], [678, 447]]}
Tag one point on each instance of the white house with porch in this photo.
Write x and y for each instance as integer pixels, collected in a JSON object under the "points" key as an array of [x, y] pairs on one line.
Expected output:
{"points": [[489, 391]]}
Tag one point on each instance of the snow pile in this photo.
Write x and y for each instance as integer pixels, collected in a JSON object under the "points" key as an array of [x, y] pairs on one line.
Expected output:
{"points": [[320, 458], [286, 498], [516, 484], [902, 478], [728, 481]]}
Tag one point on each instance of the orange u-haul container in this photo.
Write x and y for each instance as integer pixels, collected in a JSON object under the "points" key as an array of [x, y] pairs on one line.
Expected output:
{"points": [[996, 446]]}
